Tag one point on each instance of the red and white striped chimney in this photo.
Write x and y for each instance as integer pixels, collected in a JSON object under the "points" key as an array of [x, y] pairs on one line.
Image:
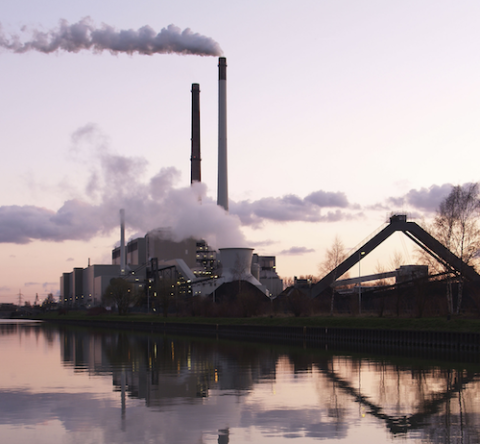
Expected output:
{"points": [[222, 188]]}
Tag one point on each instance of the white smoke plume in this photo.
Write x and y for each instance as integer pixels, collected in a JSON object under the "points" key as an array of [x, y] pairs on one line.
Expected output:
{"points": [[85, 35], [116, 182]]}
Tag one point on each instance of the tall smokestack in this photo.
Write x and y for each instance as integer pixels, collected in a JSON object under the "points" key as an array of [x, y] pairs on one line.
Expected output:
{"points": [[222, 188], [123, 262], [196, 174]]}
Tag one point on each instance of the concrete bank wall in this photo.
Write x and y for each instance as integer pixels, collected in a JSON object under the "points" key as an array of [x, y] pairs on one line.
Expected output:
{"points": [[330, 336]]}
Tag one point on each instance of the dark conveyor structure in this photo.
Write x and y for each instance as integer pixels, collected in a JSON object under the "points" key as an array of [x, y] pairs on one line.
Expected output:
{"points": [[413, 231]]}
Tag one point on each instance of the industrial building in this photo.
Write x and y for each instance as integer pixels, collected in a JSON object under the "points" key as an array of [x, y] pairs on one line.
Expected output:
{"points": [[193, 264], [197, 269]]}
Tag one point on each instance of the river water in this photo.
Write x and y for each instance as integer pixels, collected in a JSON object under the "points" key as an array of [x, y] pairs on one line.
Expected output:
{"points": [[72, 385]]}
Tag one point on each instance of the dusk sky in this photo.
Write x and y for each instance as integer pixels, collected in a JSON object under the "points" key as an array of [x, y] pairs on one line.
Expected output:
{"points": [[339, 113]]}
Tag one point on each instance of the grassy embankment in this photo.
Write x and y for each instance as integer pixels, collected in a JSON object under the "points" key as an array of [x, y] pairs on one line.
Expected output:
{"points": [[456, 324]]}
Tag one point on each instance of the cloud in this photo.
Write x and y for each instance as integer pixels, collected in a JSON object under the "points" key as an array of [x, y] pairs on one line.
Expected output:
{"points": [[427, 199], [328, 199], [31, 284], [295, 251], [263, 243], [49, 284], [70, 259], [416, 202], [423, 199], [5, 288], [21, 224], [292, 208]]}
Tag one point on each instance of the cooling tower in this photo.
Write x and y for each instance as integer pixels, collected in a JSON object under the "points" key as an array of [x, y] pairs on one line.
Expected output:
{"points": [[196, 174], [222, 188], [236, 263]]}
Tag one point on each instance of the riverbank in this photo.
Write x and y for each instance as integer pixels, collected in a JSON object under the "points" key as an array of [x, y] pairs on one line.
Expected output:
{"points": [[328, 336], [456, 324]]}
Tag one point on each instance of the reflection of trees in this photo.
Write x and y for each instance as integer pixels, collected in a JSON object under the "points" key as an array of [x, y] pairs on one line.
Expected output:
{"points": [[15, 328], [8, 329]]}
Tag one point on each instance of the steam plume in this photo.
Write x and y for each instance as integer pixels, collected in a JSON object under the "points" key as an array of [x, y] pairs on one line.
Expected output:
{"points": [[85, 35], [116, 182]]}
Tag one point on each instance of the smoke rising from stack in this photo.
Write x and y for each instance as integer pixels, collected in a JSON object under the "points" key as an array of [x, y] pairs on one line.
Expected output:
{"points": [[115, 181], [85, 35]]}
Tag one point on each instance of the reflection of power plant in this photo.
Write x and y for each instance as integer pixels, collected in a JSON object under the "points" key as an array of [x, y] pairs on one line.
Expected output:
{"points": [[197, 268], [176, 374], [160, 369]]}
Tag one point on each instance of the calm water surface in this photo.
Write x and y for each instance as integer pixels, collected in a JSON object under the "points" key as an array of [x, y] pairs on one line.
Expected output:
{"points": [[71, 385]]}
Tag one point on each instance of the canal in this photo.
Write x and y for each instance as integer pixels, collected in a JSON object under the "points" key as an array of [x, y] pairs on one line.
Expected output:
{"points": [[62, 384]]}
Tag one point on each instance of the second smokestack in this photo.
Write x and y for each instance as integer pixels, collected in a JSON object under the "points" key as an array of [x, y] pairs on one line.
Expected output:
{"points": [[196, 174], [222, 188]]}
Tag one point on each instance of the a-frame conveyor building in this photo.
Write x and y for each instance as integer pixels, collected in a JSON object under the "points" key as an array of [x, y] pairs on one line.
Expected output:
{"points": [[413, 231]]}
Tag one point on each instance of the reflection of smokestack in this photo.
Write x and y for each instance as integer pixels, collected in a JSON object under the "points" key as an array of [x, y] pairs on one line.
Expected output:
{"points": [[123, 262], [196, 175], [222, 189]]}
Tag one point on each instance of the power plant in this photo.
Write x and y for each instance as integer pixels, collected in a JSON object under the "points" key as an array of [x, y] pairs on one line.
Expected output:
{"points": [[194, 267]]}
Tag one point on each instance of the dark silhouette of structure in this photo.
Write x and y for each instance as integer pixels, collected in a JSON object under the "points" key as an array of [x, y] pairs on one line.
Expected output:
{"points": [[414, 232]]}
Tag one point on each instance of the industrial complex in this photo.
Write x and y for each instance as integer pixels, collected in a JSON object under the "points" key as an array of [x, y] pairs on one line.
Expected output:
{"points": [[194, 267]]}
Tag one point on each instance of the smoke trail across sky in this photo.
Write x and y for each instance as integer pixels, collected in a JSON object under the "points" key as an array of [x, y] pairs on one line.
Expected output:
{"points": [[85, 35]]}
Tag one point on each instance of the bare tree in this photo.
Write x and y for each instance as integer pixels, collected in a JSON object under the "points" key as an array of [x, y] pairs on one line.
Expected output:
{"points": [[121, 294], [288, 281], [396, 260], [334, 256], [456, 226]]}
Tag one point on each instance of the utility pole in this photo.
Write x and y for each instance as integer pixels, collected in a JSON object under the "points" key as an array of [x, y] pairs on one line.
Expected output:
{"points": [[20, 296]]}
